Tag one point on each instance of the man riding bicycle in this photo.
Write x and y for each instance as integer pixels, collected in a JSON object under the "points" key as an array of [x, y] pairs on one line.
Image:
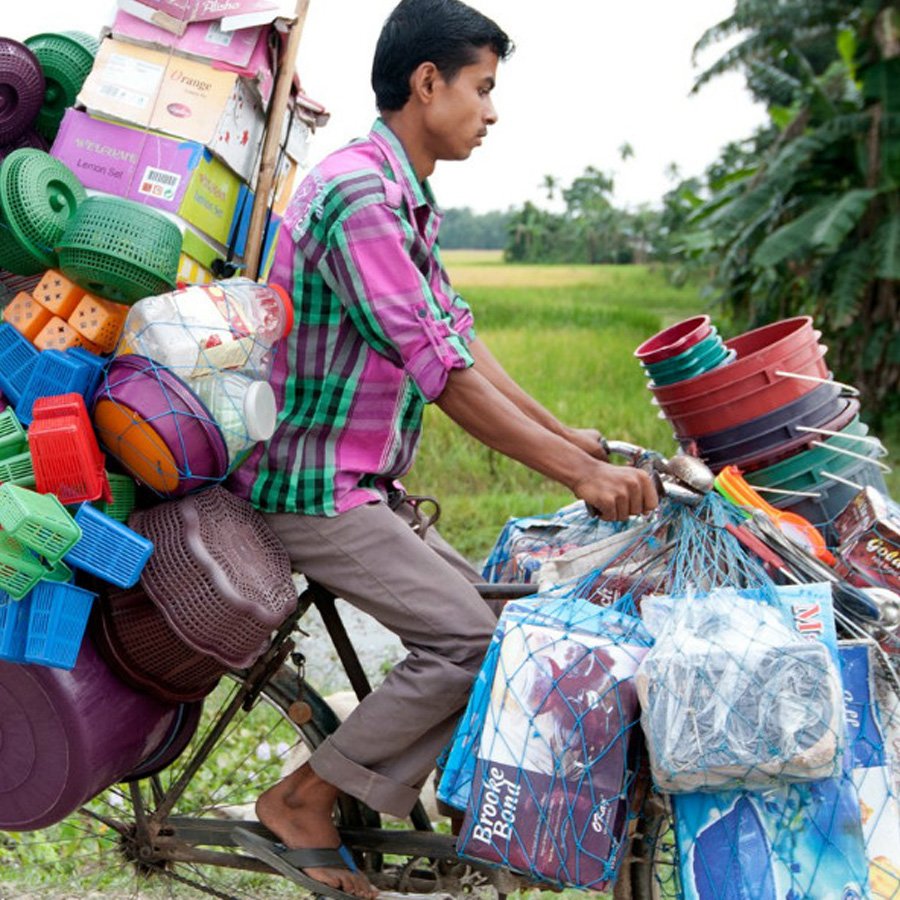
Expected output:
{"points": [[380, 333]]}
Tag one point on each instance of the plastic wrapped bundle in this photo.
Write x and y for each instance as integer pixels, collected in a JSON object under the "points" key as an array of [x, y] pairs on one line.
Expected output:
{"points": [[555, 770], [805, 839], [733, 697], [526, 544]]}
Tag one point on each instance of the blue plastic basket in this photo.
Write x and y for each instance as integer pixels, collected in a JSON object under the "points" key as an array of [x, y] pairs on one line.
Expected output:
{"points": [[55, 372], [108, 549], [95, 364], [13, 627], [56, 624], [17, 358]]}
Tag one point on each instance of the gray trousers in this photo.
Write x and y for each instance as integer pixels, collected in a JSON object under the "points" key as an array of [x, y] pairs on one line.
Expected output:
{"points": [[422, 591]]}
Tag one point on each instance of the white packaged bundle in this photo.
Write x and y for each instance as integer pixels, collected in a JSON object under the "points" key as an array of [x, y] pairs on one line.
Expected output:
{"points": [[734, 696]]}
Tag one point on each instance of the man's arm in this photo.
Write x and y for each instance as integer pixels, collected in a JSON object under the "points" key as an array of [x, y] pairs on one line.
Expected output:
{"points": [[477, 405], [587, 439]]}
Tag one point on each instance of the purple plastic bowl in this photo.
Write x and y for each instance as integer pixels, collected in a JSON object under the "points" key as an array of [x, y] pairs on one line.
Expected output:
{"points": [[21, 89], [769, 430], [30, 139], [67, 736], [174, 412], [184, 727]]}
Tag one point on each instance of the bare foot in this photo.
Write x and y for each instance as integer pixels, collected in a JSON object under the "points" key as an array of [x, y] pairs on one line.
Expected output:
{"points": [[298, 809]]}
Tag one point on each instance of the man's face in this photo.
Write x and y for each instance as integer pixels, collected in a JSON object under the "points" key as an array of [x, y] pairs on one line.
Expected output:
{"points": [[458, 119]]}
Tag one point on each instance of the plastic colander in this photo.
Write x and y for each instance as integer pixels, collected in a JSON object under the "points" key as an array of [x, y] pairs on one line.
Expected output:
{"points": [[29, 138], [39, 196], [218, 574], [21, 89], [66, 58], [120, 250]]}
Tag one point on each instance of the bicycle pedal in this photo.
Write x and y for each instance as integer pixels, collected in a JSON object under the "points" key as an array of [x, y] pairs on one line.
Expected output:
{"points": [[300, 712]]}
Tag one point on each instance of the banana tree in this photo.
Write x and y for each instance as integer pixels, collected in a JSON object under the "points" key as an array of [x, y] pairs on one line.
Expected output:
{"points": [[814, 225]]}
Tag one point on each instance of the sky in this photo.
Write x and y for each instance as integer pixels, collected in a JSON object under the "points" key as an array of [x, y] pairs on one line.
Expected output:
{"points": [[587, 76]]}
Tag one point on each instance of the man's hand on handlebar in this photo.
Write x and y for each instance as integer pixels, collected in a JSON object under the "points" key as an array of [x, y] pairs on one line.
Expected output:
{"points": [[588, 439], [617, 492]]}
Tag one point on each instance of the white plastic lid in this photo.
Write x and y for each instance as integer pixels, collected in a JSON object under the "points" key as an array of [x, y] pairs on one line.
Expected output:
{"points": [[260, 411]]}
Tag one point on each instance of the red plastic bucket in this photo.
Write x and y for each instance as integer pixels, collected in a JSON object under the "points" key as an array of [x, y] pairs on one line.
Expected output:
{"points": [[740, 407], [760, 353], [674, 340]]}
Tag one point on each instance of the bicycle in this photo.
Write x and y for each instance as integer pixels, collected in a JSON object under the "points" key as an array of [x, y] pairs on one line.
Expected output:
{"points": [[176, 828]]}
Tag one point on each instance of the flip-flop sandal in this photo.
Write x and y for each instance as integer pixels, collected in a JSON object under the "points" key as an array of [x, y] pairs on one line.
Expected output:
{"points": [[291, 863]]}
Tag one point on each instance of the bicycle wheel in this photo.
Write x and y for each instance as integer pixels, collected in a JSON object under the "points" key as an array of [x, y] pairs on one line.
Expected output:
{"points": [[189, 851], [652, 869]]}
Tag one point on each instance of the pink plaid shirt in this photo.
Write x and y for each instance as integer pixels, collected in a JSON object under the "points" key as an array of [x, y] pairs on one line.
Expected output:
{"points": [[378, 329]]}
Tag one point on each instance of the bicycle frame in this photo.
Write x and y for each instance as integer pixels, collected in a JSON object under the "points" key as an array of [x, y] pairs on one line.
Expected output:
{"points": [[156, 839]]}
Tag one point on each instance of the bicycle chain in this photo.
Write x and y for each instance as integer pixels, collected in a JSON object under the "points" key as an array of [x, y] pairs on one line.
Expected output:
{"points": [[200, 887]]}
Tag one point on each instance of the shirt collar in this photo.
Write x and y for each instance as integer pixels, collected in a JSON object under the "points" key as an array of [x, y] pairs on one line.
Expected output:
{"points": [[419, 193]]}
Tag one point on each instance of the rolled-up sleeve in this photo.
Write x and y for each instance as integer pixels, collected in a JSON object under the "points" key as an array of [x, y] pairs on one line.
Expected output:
{"points": [[369, 261]]}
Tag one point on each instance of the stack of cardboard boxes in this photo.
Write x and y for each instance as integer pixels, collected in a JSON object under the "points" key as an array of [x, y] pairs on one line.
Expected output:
{"points": [[173, 114]]}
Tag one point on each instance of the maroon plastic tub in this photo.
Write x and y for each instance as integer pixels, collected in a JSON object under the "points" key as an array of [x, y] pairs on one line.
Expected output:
{"points": [[65, 736], [674, 340], [184, 727], [760, 353], [772, 429], [140, 646], [708, 419]]}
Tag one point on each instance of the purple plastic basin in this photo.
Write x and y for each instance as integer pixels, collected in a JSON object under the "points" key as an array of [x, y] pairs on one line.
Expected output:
{"points": [[771, 429], [848, 410], [174, 412], [67, 736]]}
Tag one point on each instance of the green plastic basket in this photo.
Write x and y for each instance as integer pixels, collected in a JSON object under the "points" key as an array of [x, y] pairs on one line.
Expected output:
{"points": [[57, 572], [39, 195], [12, 435], [13, 256], [66, 58], [120, 250], [20, 569], [18, 469], [124, 492], [790, 473], [39, 521]]}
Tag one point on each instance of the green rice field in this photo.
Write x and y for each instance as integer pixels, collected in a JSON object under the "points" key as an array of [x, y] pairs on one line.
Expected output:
{"points": [[567, 334]]}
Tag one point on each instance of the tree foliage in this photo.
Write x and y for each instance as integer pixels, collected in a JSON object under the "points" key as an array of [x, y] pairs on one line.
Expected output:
{"points": [[805, 217], [591, 229]]}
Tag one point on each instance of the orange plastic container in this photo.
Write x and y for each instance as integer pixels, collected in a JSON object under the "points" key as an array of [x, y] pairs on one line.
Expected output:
{"points": [[58, 334], [26, 315], [57, 293], [100, 321]]}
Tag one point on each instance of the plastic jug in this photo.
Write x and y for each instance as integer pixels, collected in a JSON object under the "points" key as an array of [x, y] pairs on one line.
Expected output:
{"points": [[202, 329]]}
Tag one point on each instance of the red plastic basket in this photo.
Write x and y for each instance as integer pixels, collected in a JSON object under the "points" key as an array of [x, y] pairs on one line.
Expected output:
{"points": [[65, 454], [674, 340], [742, 408]]}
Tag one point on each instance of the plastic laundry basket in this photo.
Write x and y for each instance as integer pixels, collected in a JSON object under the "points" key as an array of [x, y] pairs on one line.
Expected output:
{"points": [[218, 573]]}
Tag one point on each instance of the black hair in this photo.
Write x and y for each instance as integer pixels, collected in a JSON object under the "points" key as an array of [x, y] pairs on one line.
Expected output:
{"points": [[445, 32]]}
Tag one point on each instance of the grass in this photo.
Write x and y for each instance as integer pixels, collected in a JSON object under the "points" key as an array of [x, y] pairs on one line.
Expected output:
{"points": [[567, 334]]}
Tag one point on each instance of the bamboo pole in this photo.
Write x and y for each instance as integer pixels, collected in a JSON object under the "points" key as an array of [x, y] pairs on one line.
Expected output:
{"points": [[284, 77]]}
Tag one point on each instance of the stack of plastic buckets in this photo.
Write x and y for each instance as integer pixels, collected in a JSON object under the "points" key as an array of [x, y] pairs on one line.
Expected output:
{"points": [[772, 410]]}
